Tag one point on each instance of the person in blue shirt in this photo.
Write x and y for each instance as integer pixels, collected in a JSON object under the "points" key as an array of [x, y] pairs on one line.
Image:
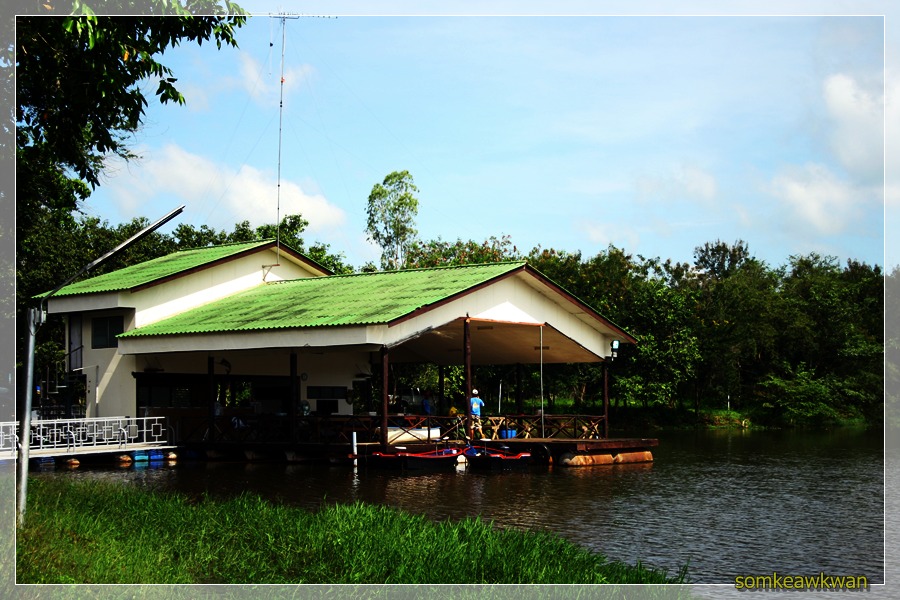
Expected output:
{"points": [[476, 403]]}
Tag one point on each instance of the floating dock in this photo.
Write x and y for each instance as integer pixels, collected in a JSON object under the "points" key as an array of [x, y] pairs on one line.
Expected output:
{"points": [[555, 451], [576, 453], [104, 454], [565, 440]]}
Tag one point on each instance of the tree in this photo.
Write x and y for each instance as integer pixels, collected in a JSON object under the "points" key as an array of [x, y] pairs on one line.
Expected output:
{"points": [[78, 86], [892, 348], [391, 212], [718, 260], [832, 338], [79, 96], [439, 253]]}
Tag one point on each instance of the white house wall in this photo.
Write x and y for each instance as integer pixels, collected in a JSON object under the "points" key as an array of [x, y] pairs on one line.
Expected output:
{"points": [[110, 389]]}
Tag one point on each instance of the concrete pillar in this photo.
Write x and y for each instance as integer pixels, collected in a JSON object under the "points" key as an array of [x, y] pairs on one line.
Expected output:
{"points": [[442, 401], [294, 400], [605, 400], [385, 372], [212, 396], [467, 362], [520, 391]]}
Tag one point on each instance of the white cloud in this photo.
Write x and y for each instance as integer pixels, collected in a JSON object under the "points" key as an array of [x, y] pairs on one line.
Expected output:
{"points": [[210, 190], [196, 97], [698, 183], [687, 183], [597, 186], [819, 198], [606, 234], [262, 82], [858, 116]]}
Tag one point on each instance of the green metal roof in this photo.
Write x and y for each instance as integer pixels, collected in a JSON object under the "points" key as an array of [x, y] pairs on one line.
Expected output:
{"points": [[159, 268], [360, 299]]}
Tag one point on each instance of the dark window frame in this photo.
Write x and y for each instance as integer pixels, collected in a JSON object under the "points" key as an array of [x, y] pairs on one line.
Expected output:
{"points": [[104, 331]]}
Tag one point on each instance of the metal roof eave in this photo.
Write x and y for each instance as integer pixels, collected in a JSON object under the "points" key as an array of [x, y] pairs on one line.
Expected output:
{"points": [[77, 288], [338, 338]]}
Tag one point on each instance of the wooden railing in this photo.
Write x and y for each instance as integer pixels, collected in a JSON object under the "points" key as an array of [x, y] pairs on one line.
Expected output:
{"points": [[195, 428]]}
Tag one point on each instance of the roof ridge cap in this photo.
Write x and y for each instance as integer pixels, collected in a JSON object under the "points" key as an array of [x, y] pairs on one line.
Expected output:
{"points": [[465, 266], [522, 262], [226, 244], [400, 271]]}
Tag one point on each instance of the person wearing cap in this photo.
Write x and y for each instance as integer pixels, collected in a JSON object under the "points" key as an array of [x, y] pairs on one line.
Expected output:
{"points": [[476, 403]]}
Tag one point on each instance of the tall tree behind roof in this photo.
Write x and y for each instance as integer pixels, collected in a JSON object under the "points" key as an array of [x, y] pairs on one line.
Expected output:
{"points": [[391, 212]]}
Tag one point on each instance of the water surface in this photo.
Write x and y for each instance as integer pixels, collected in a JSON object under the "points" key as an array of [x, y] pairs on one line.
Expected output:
{"points": [[726, 503]]}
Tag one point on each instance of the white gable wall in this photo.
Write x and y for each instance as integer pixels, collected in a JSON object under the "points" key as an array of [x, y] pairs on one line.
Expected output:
{"points": [[511, 300]]}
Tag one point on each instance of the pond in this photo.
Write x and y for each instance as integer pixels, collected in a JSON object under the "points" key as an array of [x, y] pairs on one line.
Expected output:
{"points": [[727, 503]]}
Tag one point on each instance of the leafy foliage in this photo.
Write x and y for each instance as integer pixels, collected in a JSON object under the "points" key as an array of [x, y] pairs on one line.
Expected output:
{"points": [[391, 212], [440, 253], [794, 345], [79, 96], [78, 88]]}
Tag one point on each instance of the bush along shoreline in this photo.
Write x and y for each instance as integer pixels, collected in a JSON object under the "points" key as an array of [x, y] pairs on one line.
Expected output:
{"points": [[104, 533], [657, 418]]}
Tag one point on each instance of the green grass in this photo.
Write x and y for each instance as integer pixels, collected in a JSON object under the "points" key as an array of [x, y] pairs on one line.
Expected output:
{"points": [[99, 532]]}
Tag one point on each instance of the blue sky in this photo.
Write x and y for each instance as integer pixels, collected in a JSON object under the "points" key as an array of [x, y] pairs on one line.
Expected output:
{"points": [[652, 133]]}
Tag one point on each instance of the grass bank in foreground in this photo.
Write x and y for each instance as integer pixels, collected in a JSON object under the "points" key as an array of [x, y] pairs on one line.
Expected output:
{"points": [[99, 532]]}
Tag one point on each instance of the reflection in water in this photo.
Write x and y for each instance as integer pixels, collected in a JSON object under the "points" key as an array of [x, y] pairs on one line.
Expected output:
{"points": [[728, 503]]}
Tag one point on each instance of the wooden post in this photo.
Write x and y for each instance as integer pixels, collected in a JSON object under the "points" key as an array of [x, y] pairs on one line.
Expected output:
{"points": [[605, 400], [294, 397], [467, 362], [441, 401], [385, 370], [520, 392], [211, 393]]}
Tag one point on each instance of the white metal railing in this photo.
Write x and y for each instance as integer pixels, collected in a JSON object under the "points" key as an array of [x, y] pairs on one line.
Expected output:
{"points": [[71, 434], [9, 440]]}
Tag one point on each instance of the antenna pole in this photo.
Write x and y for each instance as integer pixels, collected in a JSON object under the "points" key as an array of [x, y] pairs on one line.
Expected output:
{"points": [[284, 17], [280, 119]]}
